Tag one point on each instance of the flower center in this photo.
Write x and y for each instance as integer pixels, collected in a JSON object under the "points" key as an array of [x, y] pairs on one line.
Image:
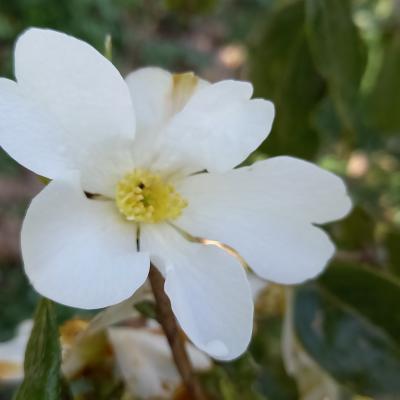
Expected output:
{"points": [[143, 196]]}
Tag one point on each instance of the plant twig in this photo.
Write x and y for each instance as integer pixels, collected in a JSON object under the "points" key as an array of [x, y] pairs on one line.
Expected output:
{"points": [[174, 336]]}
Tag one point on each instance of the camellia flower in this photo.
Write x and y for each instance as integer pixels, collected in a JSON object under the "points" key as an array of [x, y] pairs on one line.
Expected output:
{"points": [[142, 169]]}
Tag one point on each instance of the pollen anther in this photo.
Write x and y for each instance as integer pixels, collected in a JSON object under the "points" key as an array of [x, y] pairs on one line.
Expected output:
{"points": [[143, 196]]}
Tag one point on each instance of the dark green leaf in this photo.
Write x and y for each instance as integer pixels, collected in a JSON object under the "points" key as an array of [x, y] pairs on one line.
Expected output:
{"points": [[338, 52], [43, 380], [327, 122], [392, 241], [384, 100], [235, 381], [259, 374], [282, 70], [374, 295], [14, 285], [273, 381], [346, 322]]}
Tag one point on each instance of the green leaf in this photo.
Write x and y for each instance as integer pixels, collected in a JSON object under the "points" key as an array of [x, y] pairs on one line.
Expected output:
{"points": [[147, 308], [374, 295], [345, 321], [281, 69], [327, 122], [384, 100], [391, 243], [237, 380], [338, 52], [266, 348], [43, 380], [258, 374]]}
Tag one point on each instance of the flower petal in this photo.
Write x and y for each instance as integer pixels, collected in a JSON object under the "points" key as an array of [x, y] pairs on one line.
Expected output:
{"points": [[157, 95], [29, 134], [217, 129], [75, 84], [257, 285], [150, 89], [145, 360], [119, 312], [108, 163], [79, 252], [208, 289], [266, 212]]}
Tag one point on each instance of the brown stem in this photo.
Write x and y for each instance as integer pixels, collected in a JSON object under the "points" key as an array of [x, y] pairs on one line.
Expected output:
{"points": [[174, 336]]}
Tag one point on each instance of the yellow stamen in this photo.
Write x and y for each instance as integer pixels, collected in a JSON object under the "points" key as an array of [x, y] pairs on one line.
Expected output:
{"points": [[143, 196]]}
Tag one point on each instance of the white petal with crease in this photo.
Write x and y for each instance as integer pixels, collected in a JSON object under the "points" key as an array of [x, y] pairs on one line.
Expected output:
{"points": [[217, 129], [79, 252], [157, 95], [266, 213], [151, 90], [208, 289]]}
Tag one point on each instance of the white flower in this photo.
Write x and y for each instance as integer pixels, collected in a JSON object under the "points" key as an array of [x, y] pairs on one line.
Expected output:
{"points": [[141, 147], [12, 354], [142, 355], [145, 361], [257, 285]]}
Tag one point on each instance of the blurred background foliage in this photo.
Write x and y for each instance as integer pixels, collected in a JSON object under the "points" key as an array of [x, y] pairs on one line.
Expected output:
{"points": [[332, 68]]}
